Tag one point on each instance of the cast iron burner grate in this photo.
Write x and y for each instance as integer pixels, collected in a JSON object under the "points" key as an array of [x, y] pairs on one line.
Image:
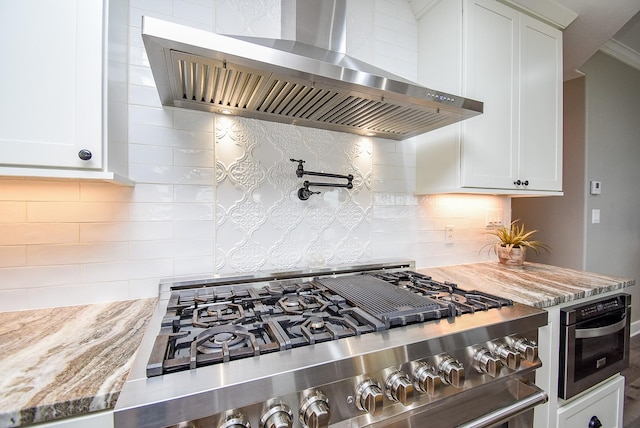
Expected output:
{"points": [[391, 304]]}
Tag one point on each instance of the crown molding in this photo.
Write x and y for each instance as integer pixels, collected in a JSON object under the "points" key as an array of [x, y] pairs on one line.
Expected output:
{"points": [[622, 53], [548, 11]]}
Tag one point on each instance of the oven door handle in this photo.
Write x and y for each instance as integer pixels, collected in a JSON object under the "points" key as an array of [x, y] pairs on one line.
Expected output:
{"points": [[590, 333], [505, 413]]}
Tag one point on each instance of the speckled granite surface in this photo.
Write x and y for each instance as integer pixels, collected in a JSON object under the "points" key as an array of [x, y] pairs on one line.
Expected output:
{"points": [[61, 362], [534, 284]]}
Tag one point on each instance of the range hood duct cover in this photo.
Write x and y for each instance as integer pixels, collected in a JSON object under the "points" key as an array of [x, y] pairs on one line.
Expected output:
{"points": [[311, 84]]}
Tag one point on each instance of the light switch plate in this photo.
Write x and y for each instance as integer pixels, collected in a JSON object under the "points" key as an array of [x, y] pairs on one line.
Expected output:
{"points": [[595, 216], [596, 187]]}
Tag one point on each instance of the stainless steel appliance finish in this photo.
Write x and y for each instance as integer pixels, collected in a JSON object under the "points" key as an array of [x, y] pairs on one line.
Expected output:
{"points": [[594, 343], [308, 81], [420, 356]]}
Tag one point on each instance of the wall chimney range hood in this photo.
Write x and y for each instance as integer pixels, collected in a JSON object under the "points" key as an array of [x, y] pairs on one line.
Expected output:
{"points": [[307, 81]]}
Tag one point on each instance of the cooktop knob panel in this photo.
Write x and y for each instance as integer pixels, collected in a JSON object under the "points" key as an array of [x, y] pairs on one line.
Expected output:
{"points": [[509, 357], [278, 416], [369, 397], [398, 387], [451, 371], [485, 362], [425, 379], [526, 347], [314, 410], [235, 421]]}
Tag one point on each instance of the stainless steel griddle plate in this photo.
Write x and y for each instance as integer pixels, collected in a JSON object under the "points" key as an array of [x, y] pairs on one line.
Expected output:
{"points": [[383, 300]]}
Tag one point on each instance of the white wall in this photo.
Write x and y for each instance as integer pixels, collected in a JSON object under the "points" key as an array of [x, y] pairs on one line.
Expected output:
{"points": [[74, 242]]}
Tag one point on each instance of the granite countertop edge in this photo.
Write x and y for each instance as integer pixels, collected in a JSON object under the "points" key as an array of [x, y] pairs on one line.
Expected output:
{"points": [[539, 285], [67, 361]]}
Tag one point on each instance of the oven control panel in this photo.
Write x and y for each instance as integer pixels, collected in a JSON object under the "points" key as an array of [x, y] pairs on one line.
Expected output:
{"points": [[382, 393]]}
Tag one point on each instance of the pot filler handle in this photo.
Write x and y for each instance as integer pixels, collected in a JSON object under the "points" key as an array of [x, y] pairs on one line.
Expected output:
{"points": [[304, 192], [506, 413]]}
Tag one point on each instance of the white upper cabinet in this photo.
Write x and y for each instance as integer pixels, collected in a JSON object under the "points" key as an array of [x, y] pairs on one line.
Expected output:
{"points": [[64, 85], [488, 51]]}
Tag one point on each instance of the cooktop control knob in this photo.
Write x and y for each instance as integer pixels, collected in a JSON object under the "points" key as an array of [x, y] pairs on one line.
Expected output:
{"points": [[314, 411], [526, 347], [369, 397], [399, 388], [451, 371], [278, 416], [485, 362], [235, 421], [509, 357], [425, 379]]}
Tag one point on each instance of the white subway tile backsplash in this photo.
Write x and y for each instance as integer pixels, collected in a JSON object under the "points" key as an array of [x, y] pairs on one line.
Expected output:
{"points": [[127, 232], [162, 6], [44, 190], [74, 212], [77, 294], [131, 269], [141, 76], [187, 194], [38, 233], [101, 192], [194, 265], [39, 276], [148, 154], [198, 13], [155, 116], [66, 254], [193, 157], [13, 211], [14, 299], [144, 95], [13, 256], [160, 136], [170, 212], [143, 250], [166, 174], [193, 120], [152, 192]]}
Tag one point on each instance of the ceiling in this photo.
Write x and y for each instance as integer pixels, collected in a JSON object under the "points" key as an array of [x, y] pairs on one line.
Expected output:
{"points": [[597, 23]]}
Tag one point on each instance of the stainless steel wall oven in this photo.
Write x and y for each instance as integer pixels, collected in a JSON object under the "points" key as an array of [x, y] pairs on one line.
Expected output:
{"points": [[594, 343]]}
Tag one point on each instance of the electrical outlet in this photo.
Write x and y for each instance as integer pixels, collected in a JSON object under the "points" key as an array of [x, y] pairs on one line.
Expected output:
{"points": [[448, 234], [494, 218]]}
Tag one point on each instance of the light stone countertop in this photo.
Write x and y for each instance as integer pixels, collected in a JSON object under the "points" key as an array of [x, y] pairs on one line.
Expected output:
{"points": [[534, 284], [67, 361]]}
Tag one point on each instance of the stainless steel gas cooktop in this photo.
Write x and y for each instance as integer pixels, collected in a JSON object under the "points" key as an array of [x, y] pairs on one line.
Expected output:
{"points": [[372, 345]]}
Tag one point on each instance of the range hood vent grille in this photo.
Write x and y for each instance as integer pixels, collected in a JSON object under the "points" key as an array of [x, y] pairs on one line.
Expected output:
{"points": [[276, 85]]}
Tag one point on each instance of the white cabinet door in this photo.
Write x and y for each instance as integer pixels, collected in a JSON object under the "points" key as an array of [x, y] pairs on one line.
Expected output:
{"points": [[605, 402], [489, 151], [51, 83], [513, 64], [540, 160]]}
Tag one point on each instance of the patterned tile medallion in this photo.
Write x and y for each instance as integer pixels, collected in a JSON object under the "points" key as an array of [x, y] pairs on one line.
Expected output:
{"points": [[261, 224]]}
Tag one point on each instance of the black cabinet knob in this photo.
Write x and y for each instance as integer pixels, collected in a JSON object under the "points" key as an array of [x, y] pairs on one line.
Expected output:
{"points": [[85, 154], [526, 182], [517, 182], [594, 422]]}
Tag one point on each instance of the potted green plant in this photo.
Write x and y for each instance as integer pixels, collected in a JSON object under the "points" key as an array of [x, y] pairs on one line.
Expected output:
{"points": [[513, 241]]}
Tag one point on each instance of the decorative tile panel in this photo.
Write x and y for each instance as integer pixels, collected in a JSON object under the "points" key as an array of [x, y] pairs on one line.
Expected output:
{"points": [[261, 224]]}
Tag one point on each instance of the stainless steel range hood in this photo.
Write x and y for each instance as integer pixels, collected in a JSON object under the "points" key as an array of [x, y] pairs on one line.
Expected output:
{"points": [[308, 81]]}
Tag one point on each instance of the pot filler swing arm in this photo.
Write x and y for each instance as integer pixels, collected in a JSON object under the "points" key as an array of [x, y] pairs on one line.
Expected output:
{"points": [[304, 192]]}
